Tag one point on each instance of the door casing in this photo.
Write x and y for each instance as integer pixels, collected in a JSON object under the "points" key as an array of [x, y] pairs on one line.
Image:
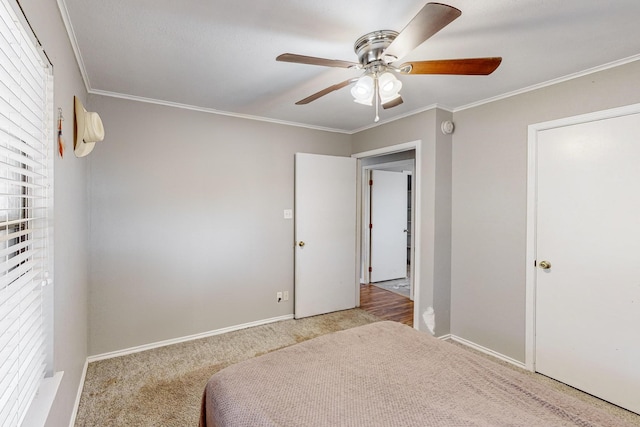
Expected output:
{"points": [[415, 244]]}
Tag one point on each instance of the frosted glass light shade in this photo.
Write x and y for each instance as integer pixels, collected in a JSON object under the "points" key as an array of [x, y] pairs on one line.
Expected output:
{"points": [[363, 90], [389, 87]]}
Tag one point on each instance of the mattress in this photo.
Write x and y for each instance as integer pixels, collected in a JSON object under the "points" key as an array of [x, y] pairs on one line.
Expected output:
{"points": [[386, 374]]}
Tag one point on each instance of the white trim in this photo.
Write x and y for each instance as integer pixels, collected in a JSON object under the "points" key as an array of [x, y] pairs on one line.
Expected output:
{"points": [[398, 148], [416, 244], [530, 270], [365, 215], [446, 337], [212, 111], [64, 13], [42, 402], [365, 253], [151, 346], [389, 165], [530, 253], [402, 116], [488, 351], [552, 82], [76, 404], [531, 88]]}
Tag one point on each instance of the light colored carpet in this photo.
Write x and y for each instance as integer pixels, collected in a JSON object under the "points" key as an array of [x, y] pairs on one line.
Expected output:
{"points": [[163, 386], [627, 416]]}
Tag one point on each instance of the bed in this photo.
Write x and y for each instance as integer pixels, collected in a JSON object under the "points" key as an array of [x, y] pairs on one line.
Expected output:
{"points": [[386, 374]]}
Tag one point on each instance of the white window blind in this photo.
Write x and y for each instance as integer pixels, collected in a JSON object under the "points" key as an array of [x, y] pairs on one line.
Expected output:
{"points": [[25, 163]]}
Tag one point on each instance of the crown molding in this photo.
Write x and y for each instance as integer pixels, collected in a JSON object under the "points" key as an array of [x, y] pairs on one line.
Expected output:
{"points": [[64, 13], [212, 111], [552, 82], [85, 77], [402, 116]]}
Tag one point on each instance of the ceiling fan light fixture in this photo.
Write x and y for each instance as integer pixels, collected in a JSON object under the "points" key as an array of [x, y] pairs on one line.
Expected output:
{"points": [[363, 90], [378, 51], [389, 85], [388, 99]]}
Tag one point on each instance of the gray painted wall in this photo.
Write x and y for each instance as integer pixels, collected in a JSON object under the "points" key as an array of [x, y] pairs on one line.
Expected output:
{"points": [[435, 192], [489, 201], [187, 229], [70, 215]]}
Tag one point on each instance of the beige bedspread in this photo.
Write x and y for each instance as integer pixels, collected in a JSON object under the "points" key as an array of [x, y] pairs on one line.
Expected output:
{"points": [[385, 374]]}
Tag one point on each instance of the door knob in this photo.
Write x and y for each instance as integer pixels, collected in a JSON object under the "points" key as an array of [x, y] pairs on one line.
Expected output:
{"points": [[301, 243], [545, 265]]}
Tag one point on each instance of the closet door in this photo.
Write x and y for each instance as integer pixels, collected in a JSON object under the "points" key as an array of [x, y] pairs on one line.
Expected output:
{"points": [[588, 257]]}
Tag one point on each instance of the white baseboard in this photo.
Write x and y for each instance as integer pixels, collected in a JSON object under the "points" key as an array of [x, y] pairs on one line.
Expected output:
{"points": [[144, 347], [445, 337], [488, 351], [150, 346], [74, 414]]}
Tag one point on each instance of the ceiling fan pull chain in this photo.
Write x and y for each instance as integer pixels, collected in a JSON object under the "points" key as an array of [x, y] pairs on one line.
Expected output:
{"points": [[376, 94]]}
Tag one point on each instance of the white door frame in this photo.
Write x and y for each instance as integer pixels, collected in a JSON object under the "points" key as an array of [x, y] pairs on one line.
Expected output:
{"points": [[415, 242], [366, 210], [530, 295]]}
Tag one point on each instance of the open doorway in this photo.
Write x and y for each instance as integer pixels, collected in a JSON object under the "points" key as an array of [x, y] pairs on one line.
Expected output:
{"points": [[397, 163], [388, 223]]}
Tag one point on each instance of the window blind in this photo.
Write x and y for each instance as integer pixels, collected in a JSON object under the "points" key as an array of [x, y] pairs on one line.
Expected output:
{"points": [[25, 155]]}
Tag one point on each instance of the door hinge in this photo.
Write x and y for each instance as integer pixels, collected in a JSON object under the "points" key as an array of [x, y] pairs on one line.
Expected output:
{"points": [[370, 269], [370, 182], [370, 226]]}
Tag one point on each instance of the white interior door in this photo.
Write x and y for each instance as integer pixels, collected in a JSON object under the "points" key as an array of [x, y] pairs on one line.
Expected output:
{"points": [[588, 228], [325, 230], [388, 225]]}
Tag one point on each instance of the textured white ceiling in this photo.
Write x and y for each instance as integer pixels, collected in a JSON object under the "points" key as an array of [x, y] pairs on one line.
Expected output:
{"points": [[220, 54]]}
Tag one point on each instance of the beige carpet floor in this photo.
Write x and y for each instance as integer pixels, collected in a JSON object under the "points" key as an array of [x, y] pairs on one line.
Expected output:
{"points": [[628, 416], [163, 387]]}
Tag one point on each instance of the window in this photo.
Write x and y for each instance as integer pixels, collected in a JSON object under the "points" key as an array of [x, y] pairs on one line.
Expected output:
{"points": [[25, 162]]}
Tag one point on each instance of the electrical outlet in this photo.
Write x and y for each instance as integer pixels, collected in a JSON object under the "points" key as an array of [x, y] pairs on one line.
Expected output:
{"points": [[286, 295], [279, 296]]}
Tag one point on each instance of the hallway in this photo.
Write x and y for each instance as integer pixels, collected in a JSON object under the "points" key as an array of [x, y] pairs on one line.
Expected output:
{"points": [[386, 304]]}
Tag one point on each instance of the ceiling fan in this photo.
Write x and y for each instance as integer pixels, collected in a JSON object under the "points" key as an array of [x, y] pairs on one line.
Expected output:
{"points": [[378, 52]]}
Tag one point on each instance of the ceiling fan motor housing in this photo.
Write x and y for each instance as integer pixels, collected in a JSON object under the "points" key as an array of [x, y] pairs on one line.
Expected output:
{"points": [[370, 47]]}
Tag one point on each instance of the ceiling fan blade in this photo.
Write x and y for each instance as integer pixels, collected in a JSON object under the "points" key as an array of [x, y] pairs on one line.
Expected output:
{"points": [[470, 66], [393, 103], [432, 18], [312, 60], [325, 91]]}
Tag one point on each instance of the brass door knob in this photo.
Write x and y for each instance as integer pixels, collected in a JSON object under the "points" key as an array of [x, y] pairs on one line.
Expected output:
{"points": [[545, 265], [301, 243]]}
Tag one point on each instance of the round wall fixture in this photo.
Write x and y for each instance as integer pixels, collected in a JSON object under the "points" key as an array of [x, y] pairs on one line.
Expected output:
{"points": [[447, 127]]}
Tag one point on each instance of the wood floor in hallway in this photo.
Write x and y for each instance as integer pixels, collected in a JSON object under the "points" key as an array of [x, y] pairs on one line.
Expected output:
{"points": [[386, 304]]}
